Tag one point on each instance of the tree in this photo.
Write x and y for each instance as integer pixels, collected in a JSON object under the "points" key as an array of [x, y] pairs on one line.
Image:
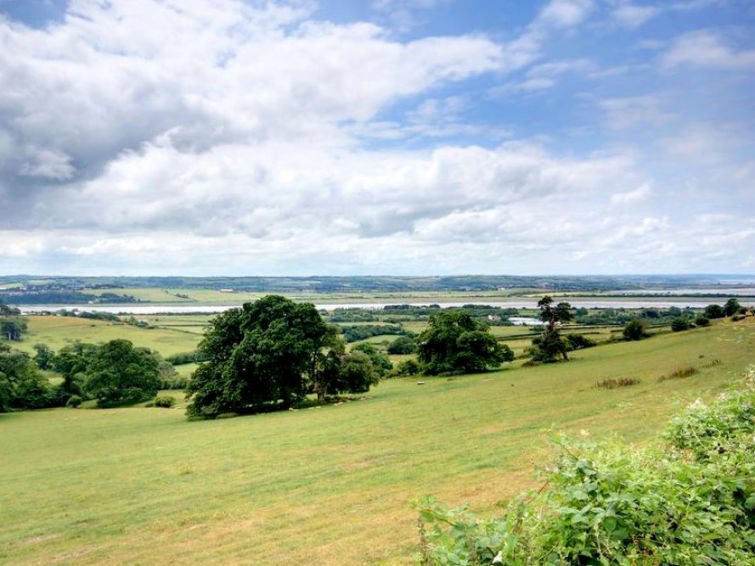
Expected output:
{"points": [[44, 356], [382, 365], [13, 328], [402, 345], [549, 346], [119, 374], [634, 330], [731, 307], [21, 386], [679, 324], [714, 311], [455, 342], [270, 352]]}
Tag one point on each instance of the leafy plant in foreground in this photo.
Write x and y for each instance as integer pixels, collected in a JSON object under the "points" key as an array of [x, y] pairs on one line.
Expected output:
{"points": [[690, 500]]}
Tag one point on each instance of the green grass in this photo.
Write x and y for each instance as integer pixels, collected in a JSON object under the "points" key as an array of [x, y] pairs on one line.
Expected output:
{"points": [[58, 331], [326, 485]]}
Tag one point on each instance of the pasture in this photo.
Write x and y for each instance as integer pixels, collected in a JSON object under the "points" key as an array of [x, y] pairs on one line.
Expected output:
{"points": [[328, 485]]}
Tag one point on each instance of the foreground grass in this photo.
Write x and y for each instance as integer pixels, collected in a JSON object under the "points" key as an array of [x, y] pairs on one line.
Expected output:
{"points": [[329, 485]]}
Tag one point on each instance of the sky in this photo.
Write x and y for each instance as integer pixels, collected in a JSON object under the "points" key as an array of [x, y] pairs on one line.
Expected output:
{"points": [[414, 137]]}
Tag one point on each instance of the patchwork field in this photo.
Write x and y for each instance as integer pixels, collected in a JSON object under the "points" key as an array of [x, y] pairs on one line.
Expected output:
{"points": [[330, 485]]}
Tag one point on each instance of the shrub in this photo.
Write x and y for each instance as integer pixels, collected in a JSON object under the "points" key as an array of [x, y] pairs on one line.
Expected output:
{"points": [[690, 500], [679, 373], [73, 401], [679, 324], [164, 401], [402, 345], [702, 321], [408, 367], [614, 383], [579, 341], [634, 330]]}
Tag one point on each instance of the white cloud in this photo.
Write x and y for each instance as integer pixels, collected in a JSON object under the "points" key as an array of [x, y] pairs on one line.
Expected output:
{"points": [[634, 111], [638, 195], [634, 15], [704, 48]]}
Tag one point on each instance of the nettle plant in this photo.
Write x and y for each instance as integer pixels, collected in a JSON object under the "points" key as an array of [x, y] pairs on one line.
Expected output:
{"points": [[690, 499]]}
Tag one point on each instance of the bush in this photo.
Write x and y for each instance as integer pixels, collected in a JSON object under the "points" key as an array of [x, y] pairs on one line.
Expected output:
{"points": [[579, 342], [614, 383], [164, 401], [679, 324], [408, 367], [73, 401], [688, 501], [402, 345], [702, 321], [635, 330], [679, 373]]}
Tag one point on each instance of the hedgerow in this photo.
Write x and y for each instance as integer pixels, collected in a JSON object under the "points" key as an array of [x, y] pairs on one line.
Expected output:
{"points": [[688, 499]]}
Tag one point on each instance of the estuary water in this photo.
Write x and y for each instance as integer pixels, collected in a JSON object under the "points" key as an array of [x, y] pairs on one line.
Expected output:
{"points": [[633, 303]]}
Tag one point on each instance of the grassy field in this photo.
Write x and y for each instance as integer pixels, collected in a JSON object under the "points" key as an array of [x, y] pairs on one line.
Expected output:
{"points": [[58, 331], [327, 485]]}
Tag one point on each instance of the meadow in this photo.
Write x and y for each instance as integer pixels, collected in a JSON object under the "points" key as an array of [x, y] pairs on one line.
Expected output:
{"points": [[329, 485]]}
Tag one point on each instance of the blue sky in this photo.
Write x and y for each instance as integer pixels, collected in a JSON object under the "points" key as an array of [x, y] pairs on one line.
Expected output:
{"points": [[408, 137]]}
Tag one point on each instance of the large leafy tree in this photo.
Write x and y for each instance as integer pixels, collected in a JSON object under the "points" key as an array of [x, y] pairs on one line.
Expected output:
{"points": [[267, 352], [117, 373], [455, 342]]}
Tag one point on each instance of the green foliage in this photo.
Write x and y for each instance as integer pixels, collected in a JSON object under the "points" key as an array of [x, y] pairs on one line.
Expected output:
{"points": [[731, 307], [74, 401], [579, 342], [380, 362], [21, 386], [118, 374], [679, 324], [183, 358], [702, 321], [455, 342], [690, 501], [356, 333], [44, 356], [408, 367], [635, 330], [549, 346], [714, 311], [13, 328], [269, 352], [402, 345], [164, 401]]}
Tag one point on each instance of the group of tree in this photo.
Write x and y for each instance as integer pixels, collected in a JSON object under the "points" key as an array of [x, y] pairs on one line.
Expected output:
{"points": [[114, 373], [454, 342], [272, 353]]}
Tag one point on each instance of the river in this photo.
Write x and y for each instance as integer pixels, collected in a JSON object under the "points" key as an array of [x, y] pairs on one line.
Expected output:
{"points": [[633, 303]]}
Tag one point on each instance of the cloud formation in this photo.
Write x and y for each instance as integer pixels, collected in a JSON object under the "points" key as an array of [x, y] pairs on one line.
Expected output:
{"points": [[230, 137]]}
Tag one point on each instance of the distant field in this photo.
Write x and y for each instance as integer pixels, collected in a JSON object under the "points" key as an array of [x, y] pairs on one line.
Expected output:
{"points": [[330, 485], [58, 331]]}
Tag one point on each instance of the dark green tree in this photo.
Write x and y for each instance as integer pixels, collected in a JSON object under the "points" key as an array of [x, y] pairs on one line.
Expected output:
{"points": [[269, 352], [714, 311], [634, 330], [403, 345], [119, 374], [549, 345], [44, 356], [382, 365], [455, 342], [731, 307], [679, 324], [21, 386], [13, 328]]}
